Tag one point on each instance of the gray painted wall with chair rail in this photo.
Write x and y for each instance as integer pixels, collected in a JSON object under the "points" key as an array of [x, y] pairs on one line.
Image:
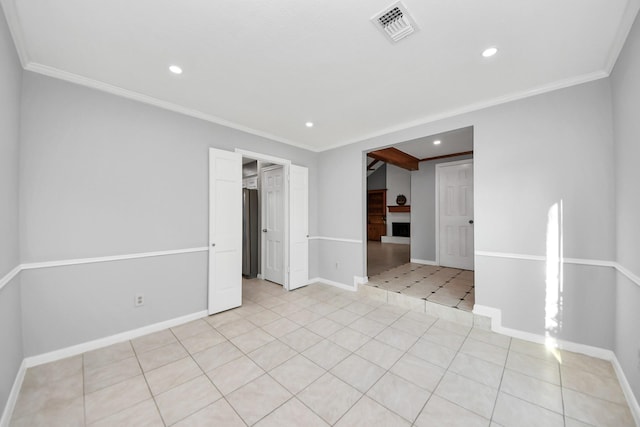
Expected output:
{"points": [[626, 104], [10, 317], [102, 175], [525, 156]]}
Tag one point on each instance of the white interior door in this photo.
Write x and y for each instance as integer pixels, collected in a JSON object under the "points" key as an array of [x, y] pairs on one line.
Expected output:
{"points": [[273, 224], [225, 230], [455, 213], [299, 226]]}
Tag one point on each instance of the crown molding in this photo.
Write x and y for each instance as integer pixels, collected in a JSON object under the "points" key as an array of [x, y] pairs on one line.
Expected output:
{"points": [[560, 84], [4, 281], [146, 99], [15, 28], [626, 23]]}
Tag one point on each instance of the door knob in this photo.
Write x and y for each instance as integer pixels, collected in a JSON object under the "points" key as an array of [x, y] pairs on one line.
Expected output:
{"points": [[470, 221], [213, 244], [264, 230]]}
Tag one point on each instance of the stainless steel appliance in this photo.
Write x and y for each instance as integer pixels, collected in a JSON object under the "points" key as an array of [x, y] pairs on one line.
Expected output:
{"points": [[250, 233]]}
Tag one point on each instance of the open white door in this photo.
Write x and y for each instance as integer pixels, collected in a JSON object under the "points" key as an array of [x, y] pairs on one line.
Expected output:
{"points": [[455, 216], [225, 230], [273, 224], [299, 226]]}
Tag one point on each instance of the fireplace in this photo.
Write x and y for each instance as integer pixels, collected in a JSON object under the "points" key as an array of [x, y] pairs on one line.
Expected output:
{"points": [[401, 229]]}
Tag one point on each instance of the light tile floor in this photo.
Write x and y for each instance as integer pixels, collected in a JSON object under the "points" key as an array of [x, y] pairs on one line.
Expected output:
{"points": [[441, 285], [321, 356]]}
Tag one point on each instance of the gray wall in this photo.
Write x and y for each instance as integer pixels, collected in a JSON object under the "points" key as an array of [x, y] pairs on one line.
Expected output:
{"points": [[378, 179], [69, 305], [342, 189], [10, 77], [423, 209], [10, 326], [626, 104], [528, 155], [102, 175]]}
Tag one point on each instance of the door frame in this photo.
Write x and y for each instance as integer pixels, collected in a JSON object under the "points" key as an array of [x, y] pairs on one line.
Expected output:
{"points": [[286, 165], [438, 167]]}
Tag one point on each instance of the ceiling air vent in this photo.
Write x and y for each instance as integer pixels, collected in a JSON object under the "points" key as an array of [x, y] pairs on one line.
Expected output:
{"points": [[395, 22]]}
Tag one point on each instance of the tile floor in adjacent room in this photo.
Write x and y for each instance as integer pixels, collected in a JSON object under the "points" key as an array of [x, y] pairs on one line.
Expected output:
{"points": [[322, 356], [442, 285]]}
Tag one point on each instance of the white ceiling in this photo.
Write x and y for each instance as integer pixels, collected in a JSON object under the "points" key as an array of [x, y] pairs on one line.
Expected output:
{"points": [[267, 67]]}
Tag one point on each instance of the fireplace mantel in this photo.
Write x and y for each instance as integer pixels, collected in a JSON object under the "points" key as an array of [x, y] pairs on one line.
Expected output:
{"points": [[404, 208]]}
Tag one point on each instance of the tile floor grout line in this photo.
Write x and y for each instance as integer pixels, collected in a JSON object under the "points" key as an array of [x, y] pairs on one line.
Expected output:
{"points": [[312, 410], [564, 412], [329, 371], [201, 370], [265, 372], [84, 394], [321, 296], [441, 378], [504, 368], [388, 371], [222, 395], [326, 371], [135, 352], [135, 355]]}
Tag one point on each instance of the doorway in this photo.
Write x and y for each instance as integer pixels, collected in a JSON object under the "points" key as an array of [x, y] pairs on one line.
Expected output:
{"points": [[423, 273], [225, 225], [454, 201], [272, 208]]}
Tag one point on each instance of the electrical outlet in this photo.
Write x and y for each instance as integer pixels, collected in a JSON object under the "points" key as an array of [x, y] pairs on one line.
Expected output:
{"points": [[139, 300]]}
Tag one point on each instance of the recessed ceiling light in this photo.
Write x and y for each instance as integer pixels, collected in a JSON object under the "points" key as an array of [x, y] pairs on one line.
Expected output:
{"points": [[309, 124], [175, 69], [437, 142], [488, 53]]}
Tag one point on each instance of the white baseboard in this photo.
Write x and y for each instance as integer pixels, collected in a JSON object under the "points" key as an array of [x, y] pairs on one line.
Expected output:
{"points": [[360, 280], [333, 283], [113, 339], [634, 407], [493, 313], [13, 396], [422, 261], [496, 325]]}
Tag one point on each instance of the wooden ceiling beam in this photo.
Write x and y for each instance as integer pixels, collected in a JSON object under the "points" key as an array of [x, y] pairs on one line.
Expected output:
{"points": [[396, 157], [370, 167], [446, 156]]}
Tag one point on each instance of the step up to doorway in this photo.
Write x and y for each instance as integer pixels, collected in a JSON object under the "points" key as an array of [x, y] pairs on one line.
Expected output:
{"points": [[423, 306]]}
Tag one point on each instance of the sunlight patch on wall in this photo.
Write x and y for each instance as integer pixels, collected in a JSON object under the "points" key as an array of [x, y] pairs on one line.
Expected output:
{"points": [[554, 278]]}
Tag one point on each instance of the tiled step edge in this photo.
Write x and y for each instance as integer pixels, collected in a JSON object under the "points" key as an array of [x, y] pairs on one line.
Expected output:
{"points": [[420, 305]]}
